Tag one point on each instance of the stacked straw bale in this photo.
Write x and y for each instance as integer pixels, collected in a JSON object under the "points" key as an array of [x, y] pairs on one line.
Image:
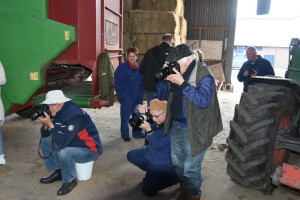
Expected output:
{"points": [[151, 20]]}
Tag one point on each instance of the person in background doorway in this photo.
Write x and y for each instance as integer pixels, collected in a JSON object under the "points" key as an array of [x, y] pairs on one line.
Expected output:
{"points": [[129, 86], [255, 66]]}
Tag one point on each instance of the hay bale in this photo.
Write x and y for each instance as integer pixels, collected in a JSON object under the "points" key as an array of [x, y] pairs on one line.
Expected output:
{"points": [[176, 6], [146, 41], [129, 5], [128, 40], [125, 21], [154, 22], [183, 27]]}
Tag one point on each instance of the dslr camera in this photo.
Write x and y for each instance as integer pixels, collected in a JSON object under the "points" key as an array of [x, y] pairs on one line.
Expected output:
{"points": [[137, 120], [166, 71], [39, 112]]}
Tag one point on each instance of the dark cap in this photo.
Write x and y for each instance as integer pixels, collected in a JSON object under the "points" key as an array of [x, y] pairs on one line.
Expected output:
{"points": [[180, 51]]}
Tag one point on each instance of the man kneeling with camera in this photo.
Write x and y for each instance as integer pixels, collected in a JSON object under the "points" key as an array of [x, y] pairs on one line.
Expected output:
{"points": [[155, 159], [68, 137]]}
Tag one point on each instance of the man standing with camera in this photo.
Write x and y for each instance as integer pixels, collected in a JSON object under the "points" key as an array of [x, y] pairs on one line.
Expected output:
{"points": [[193, 116], [153, 60], [155, 159], [255, 66], [68, 137]]}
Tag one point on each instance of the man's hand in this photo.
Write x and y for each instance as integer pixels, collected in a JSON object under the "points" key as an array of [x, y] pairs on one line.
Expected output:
{"points": [[254, 74], [175, 78], [246, 73], [45, 120], [146, 126]]}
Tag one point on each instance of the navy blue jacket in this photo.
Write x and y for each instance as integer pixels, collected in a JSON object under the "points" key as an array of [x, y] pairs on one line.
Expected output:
{"points": [[261, 65], [129, 84], [158, 151], [74, 128]]}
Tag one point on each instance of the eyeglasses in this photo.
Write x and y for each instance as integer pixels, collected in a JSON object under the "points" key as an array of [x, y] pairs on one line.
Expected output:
{"points": [[52, 105], [157, 116]]}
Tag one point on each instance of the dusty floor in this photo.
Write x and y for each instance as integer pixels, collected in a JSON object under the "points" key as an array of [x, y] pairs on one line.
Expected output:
{"points": [[113, 176]]}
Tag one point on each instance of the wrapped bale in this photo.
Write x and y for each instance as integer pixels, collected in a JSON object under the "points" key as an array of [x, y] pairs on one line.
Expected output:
{"points": [[176, 6], [154, 22]]}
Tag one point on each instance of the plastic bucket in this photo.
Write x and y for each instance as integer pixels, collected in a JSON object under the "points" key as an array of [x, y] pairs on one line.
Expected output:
{"points": [[84, 170]]}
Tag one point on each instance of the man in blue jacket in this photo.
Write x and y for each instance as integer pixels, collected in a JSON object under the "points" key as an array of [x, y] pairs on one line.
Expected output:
{"points": [[68, 137], [155, 159], [255, 66]]}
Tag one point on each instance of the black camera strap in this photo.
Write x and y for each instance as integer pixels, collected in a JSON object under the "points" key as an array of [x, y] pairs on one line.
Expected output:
{"points": [[45, 157]]}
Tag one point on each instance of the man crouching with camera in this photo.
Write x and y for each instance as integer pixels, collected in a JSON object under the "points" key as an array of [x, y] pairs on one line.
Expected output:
{"points": [[68, 137], [155, 159]]}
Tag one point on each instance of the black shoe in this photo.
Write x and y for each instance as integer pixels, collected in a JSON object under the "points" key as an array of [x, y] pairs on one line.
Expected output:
{"points": [[55, 176], [127, 139], [67, 187]]}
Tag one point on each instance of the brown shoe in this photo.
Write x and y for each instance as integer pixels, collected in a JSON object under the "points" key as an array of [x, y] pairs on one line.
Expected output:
{"points": [[190, 197]]}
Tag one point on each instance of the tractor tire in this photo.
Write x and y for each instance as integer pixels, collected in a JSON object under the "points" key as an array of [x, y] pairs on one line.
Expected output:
{"points": [[251, 156]]}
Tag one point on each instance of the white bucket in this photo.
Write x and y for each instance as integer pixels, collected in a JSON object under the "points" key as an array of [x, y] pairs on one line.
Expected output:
{"points": [[84, 170]]}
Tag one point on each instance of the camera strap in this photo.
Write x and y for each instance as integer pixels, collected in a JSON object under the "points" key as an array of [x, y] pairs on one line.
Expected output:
{"points": [[45, 157]]}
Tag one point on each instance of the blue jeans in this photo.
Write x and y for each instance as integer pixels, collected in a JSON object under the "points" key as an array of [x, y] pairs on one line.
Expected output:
{"points": [[66, 158], [158, 177], [1, 143], [150, 97], [188, 167]]}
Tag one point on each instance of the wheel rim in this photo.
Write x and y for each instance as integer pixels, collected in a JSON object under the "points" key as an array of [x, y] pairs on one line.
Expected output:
{"points": [[278, 155]]}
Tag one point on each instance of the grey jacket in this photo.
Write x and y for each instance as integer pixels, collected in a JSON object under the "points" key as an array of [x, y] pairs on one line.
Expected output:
{"points": [[202, 124]]}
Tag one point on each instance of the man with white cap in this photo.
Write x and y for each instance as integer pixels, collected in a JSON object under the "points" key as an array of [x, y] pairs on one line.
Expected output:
{"points": [[155, 159], [68, 137]]}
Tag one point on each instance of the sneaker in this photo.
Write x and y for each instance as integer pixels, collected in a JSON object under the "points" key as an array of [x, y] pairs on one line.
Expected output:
{"points": [[2, 160]]}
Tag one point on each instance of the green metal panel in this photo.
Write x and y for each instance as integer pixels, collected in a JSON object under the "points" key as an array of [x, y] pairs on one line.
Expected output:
{"points": [[29, 41], [294, 68]]}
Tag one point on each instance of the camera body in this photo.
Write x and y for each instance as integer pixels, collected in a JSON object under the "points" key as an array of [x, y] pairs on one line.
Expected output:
{"points": [[251, 71], [39, 112], [137, 120], [166, 71]]}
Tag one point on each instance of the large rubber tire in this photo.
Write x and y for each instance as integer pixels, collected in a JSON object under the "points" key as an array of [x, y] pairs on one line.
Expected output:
{"points": [[253, 134]]}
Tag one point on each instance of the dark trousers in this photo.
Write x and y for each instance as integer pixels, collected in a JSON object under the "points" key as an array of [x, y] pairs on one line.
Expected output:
{"points": [[158, 177]]}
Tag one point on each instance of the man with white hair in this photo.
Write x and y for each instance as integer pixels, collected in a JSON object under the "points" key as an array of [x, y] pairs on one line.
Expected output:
{"points": [[69, 136], [193, 115]]}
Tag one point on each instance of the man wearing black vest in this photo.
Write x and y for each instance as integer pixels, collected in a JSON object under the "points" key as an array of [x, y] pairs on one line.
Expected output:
{"points": [[193, 116], [153, 60]]}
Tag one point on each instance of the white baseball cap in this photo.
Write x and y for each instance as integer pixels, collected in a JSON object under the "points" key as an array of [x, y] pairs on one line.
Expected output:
{"points": [[54, 97]]}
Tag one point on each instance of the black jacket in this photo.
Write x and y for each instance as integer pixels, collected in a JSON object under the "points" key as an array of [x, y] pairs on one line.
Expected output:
{"points": [[153, 60]]}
